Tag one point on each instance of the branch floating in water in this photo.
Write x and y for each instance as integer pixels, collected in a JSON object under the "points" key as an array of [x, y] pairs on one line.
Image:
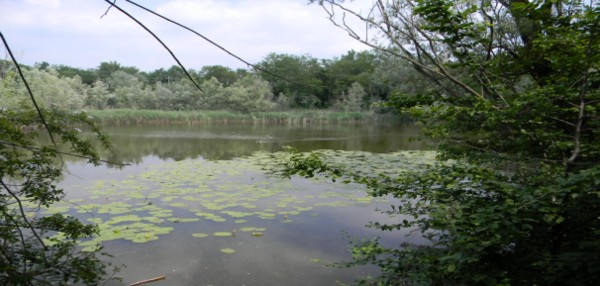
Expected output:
{"points": [[148, 281]]}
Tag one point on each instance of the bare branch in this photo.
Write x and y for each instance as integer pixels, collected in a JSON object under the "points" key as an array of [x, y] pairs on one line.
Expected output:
{"points": [[23, 215], [60, 152], [582, 100], [562, 121], [218, 46], [158, 39], [389, 29]]}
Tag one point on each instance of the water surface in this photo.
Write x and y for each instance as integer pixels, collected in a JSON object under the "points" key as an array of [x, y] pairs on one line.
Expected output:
{"points": [[193, 194]]}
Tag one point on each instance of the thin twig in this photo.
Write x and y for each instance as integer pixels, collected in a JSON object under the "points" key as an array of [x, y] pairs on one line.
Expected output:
{"points": [[22, 236], [256, 67], [407, 55], [60, 152], [158, 39], [107, 9], [35, 104], [23, 214]]}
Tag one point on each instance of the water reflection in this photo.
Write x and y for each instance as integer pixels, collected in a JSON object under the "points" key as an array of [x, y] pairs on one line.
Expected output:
{"points": [[227, 141]]}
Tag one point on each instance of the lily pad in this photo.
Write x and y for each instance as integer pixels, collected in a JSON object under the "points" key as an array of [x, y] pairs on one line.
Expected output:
{"points": [[145, 206], [222, 233], [124, 218], [249, 229], [237, 214], [178, 205], [227, 250], [57, 209]]}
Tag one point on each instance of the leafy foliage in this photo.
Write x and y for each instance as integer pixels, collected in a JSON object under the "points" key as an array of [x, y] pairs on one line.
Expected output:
{"points": [[514, 199], [295, 81], [29, 173], [353, 99], [297, 78], [249, 94]]}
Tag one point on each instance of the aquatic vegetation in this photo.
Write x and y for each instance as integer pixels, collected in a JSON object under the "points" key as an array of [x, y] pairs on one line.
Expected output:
{"points": [[215, 116], [227, 250], [178, 220], [235, 214], [57, 209], [223, 195], [211, 216], [251, 229], [163, 213], [124, 218], [223, 233], [178, 205]]}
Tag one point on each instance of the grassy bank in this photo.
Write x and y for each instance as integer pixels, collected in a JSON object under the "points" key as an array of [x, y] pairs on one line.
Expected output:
{"points": [[133, 116]]}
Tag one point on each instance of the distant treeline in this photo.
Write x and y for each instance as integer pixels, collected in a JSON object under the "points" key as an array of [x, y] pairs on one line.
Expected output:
{"points": [[356, 81]]}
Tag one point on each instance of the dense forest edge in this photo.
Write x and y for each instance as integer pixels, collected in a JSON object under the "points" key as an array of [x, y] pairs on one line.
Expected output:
{"points": [[348, 88]]}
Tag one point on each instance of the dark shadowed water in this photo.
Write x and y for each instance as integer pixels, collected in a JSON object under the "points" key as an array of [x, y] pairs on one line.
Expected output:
{"points": [[197, 205]]}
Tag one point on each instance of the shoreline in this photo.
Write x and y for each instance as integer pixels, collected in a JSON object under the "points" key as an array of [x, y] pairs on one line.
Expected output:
{"points": [[200, 117]]}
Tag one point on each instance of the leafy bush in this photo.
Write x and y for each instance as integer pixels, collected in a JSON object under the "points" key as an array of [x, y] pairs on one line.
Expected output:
{"points": [[41, 250], [514, 199]]}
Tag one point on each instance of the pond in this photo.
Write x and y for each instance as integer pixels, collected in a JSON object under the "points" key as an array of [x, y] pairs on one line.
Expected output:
{"points": [[200, 205]]}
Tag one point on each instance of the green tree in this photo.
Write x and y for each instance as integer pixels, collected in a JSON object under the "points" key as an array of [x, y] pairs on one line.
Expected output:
{"points": [[295, 77], [88, 76], [394, 76], [517, 109], [53, 92], [164, 96], [185, 95], [106, 69], [250, 94], [38, 249], [126, 89], [10, 91], [5, 67], [352, 100], [342, 72], [213, 96], [224, 75], [97, 96]]}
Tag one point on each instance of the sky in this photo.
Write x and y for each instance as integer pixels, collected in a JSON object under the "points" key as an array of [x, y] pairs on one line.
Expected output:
{"points": [[73, 33]]}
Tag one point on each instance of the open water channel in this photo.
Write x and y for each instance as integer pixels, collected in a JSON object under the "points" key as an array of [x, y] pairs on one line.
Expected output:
{"points": [[199, 204]]}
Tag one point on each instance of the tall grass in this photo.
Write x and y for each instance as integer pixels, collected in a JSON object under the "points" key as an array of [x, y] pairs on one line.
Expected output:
{"points": [[134, 116]]}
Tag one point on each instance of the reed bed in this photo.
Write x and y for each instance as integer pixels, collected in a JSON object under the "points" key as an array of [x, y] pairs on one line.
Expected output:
{"points": [[134, 116]]}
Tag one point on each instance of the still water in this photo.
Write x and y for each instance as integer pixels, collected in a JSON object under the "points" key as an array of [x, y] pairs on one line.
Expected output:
{"points": [[200, 205]]}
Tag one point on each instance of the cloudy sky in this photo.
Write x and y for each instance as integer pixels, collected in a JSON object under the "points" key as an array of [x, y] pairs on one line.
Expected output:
{"points": [[72, 32]]}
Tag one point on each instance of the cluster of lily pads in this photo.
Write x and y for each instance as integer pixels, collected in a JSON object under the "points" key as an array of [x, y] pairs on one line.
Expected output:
{"points": [[150, 204]]}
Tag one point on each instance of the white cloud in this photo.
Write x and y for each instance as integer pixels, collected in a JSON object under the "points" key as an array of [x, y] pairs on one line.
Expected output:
{"points": [[71, 31]]}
